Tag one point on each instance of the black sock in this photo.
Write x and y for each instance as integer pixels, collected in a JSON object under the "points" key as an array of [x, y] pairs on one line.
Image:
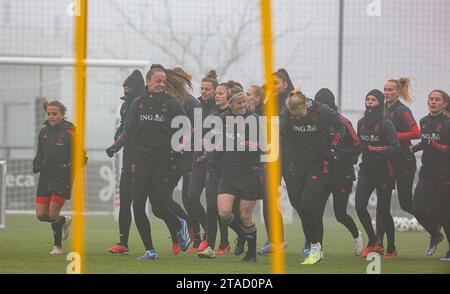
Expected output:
{"points": [[233, 223], [197, 240], [124, 239], [57, 230], [250, 236]]}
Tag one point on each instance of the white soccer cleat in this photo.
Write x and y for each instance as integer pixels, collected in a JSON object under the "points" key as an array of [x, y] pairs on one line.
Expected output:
{"points": [[358, 244], [66, 228], [57, 250]]}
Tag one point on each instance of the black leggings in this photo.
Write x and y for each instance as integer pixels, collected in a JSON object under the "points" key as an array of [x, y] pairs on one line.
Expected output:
{"points": [[152, 181], [364, 188], [441, 207], [125, 204], [404, 176], [427, 191], [177, 170], [307, 199], [341, 192], [193, 205], [212, 212]]}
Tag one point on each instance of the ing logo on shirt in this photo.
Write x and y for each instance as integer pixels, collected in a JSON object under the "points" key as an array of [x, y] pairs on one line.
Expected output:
{"points": [[432, 136], [305, 129], [151, 117], [370, 138]]}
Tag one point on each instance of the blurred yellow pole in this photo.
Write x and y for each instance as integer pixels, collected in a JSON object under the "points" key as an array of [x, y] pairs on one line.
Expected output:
{"points": [[273, 168], [80, 42]]}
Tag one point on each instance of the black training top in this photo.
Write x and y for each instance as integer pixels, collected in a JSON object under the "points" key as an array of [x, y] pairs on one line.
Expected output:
{"points": [[190, 105], [342, 169], [54, 147], [405, 125], [208, 107], [149, 126], [310, 134], [435, 142], [214, 162], [379, 144], [129, 148], [241, 152]]}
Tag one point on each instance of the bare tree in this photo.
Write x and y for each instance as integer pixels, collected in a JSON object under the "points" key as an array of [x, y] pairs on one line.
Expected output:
{"points": [[227, 36]]}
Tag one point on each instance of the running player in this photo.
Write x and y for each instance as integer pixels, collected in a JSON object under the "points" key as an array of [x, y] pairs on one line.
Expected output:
{"points": [[307, 124], [53, 161], [283, 86], [380, 146], [434, 173], [214, 171], [407, 129], [133, 87], [197, 182], [149, 125], [339, 174], [240, 172]]}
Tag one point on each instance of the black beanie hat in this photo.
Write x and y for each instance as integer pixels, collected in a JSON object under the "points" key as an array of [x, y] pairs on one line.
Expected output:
{"points": [[325, 96], [377, 94], [135, 81]]}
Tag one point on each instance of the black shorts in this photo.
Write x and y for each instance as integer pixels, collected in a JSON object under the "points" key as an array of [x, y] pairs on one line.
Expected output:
{"points": [[57, 182], [248, 187]]}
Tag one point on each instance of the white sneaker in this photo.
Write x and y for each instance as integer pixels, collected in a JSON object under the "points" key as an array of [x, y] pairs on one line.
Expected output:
{"points": [[207, 253], [57, 250], [66, 228], [358, 244]]}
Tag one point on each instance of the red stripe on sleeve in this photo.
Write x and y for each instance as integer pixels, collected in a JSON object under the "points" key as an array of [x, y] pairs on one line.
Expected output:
{"points": [[351, 130], [409, 119], [413, 133]]}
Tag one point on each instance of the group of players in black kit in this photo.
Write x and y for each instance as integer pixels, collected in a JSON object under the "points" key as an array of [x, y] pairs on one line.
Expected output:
{"points": [[319, 148]]}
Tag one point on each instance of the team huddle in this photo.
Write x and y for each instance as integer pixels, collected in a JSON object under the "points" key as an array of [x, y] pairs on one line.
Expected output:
{"points": [[318, 150]]}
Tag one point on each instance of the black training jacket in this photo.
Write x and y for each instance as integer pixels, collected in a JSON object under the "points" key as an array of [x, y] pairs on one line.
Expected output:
{"points": [[405, 125], [214, 163], [54, 147], [237, 164], [342, 170], [435, 143], [380, 146], [129, 148], [149, 126], [310, 135]]}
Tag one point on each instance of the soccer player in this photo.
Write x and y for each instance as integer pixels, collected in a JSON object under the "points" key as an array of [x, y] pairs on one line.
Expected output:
{"points": [[149, 126], [241, 172], [53, 161], [434, 175], [380, 147], [407, 129], [307, 124], [339, 174], [197, 182], [133, 87], [283, 86], [214, 173]]}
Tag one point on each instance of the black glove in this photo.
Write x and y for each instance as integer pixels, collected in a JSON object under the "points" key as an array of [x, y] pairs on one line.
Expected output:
{"points": [[110, 151], [65, 166], [332, 156], [36, 168]]}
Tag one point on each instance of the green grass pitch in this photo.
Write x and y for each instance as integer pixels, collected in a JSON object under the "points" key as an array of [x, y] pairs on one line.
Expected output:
{"points": [[26, 242]]}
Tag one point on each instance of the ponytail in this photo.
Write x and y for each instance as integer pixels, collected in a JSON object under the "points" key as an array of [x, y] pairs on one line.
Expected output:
{"points": [[404, 87]]}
